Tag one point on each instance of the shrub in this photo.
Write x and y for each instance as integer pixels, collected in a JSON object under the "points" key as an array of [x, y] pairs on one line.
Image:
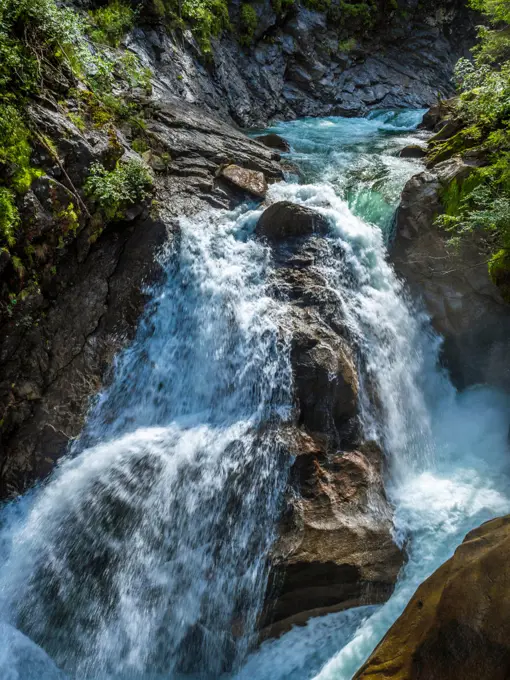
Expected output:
{"points": [[113, 191], [249, 21], [111, 23]]}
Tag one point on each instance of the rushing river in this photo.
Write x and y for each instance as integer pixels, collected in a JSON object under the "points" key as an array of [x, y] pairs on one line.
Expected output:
{"points": [[151, 539]]}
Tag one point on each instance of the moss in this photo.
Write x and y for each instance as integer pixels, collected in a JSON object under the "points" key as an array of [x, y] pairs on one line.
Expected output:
{"points": [[499, 271], [454, 194], [9, 217]]}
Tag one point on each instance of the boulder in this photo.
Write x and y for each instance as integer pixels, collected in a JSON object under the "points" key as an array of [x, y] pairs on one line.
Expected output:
{"points": [[457, 625], [274, 141], [285, 220], [336, 549], [413, 151], [250, 181]]}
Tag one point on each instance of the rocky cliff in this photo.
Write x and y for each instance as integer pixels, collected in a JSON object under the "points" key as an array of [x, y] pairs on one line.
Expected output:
{"points": [[465, 305], [304, 62]]}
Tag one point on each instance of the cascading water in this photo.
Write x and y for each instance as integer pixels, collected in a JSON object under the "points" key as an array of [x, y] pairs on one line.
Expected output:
{"points": [[447, 452], [145, 555]]}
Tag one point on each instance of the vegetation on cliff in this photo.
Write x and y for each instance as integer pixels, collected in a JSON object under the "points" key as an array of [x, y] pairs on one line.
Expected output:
{"points": [[56, 56], [480, 131]]}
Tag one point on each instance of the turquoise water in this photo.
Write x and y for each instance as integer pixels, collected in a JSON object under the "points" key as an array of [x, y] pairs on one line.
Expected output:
{"points": [[144, 557]]}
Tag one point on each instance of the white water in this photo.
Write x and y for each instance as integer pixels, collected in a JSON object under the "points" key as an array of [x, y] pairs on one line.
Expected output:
{"points": [[145, 547]]}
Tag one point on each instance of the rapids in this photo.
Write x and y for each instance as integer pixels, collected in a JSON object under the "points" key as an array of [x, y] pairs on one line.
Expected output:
{"points": [[152, 535]]}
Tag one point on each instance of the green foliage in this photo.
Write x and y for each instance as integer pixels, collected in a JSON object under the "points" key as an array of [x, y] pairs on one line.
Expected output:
{"points": [[9, 217], [115, 190], [482, 201], [282, 6], [111, 23], [249, 22]]}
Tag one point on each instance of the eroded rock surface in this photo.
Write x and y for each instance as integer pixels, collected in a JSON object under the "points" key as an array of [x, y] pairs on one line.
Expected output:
{"points": [[335, 547], [457, 625], [301, 63]]}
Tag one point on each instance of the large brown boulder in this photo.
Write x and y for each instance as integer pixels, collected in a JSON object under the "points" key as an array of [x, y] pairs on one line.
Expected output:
{"points": [[285, 220], [457, 626], [250, 181], [336, 549]]}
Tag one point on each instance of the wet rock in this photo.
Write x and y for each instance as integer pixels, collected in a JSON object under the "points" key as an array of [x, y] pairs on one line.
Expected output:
{"points": [[285, 220], [274, 141], [299, 63], [250, 181], [335, 549], [457, 625], [465, 305], [413, 151]]}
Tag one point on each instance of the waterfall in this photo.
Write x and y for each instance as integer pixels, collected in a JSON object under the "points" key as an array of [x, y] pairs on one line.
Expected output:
{"points": [[447, 452], [145, 554]]}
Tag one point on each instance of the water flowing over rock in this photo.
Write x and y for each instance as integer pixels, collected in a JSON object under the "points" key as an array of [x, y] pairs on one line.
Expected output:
{"points": [[457, 625], [335, 547], [56, 348]]}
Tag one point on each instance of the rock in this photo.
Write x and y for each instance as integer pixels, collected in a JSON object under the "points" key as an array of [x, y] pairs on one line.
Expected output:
{"points": [[336, 549], [298, 64], [413, 151], [274, 141], [465, 305], [285, 220], [250, 181], [457, 625]]}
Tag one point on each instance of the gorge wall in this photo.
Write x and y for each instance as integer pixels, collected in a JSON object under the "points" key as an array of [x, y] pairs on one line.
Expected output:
{"points": [[304, 62]]}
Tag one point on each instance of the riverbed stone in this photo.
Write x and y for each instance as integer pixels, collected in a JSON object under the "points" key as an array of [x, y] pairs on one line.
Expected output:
{"points": [[249, 181], [284, 220], [457, 625]]}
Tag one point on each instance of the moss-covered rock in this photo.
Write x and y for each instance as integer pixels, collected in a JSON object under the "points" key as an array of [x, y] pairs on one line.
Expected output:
{"points": [[457, 626]]}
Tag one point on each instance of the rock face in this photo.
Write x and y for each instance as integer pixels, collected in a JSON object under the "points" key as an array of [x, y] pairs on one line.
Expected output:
{"points": [[413, 151], [458, 623], [335, 549], [303, 63], [465, 306], [57, 343]]}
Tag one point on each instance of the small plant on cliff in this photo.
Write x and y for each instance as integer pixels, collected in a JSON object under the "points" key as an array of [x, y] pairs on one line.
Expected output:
{"points": [[9, 217], [249, 21], [111, 23], [115, 190], [482, 201]]}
